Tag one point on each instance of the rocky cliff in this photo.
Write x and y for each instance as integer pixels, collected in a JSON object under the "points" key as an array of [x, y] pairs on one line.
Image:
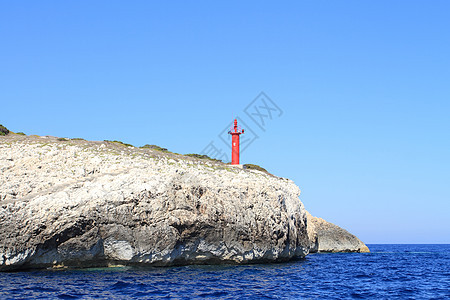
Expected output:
{"points": [[80, 203]]}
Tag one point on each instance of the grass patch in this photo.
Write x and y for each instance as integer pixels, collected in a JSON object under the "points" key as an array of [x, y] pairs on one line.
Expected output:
{"points": [[255, 167], [63, 139], [77, 139], [3, 130], [20, 133]]}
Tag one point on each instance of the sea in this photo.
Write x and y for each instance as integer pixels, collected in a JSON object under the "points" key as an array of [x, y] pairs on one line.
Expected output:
{"points": [[388, 272]]}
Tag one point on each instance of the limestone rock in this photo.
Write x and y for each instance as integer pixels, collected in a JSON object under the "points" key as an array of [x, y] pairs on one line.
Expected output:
{"points": [[80, 203], [327, 237]]}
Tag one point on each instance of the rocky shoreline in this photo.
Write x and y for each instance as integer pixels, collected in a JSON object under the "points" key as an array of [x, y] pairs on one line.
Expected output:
{"points": [[77, 203], [326, 237]]}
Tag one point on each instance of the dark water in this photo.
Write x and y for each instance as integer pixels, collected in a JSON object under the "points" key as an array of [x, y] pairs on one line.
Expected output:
{"points": [[390, 271]]}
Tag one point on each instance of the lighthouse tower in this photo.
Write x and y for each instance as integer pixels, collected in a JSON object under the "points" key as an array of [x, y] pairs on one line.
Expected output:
{"points": [[235, 132]]}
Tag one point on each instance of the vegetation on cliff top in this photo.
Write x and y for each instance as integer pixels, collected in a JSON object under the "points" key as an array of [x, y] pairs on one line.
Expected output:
{"points": [[255, 167], [155, 147], [120, 143], [3, 130], [202, 156]]}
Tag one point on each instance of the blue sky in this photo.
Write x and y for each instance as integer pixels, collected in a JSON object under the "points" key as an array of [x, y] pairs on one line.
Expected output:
{"points": [[363, 87]]}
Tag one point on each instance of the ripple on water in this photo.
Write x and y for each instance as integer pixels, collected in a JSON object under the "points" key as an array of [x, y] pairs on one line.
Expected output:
{"points": [[390, 271]]}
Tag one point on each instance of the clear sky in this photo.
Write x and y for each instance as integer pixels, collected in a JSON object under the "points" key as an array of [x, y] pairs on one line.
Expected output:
{"points": [[363, 87]]}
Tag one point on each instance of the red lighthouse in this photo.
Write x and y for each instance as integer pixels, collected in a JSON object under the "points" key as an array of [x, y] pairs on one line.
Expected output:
{"points": [[235, 132]]}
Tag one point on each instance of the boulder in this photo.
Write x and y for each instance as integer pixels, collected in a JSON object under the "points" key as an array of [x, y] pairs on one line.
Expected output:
{"points": [[327, 237]]}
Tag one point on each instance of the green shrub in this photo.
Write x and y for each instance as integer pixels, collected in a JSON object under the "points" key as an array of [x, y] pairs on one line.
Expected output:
{"points": [[120, 143], [155, 147], [202, 156], [62, 139], [255, 167], [3, 130], [20, 133], [77, 139]]}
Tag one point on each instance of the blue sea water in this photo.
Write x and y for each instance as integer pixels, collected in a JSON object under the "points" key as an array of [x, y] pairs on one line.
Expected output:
{"points": [[388, 272]]}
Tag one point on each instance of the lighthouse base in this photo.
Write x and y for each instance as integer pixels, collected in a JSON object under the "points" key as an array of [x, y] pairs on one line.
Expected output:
{"points": [[238, 166]]}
